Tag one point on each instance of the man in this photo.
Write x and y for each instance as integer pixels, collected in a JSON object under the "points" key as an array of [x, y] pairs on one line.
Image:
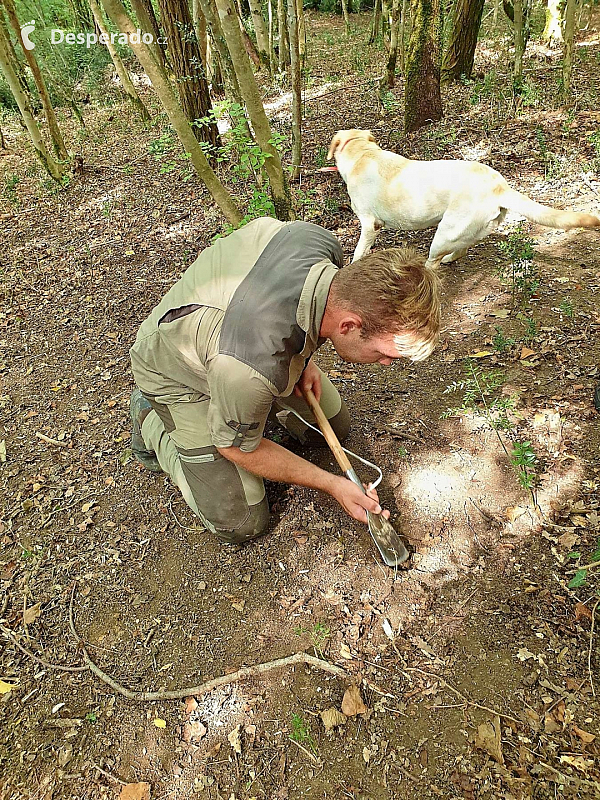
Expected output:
{"points": [[232, 342]]}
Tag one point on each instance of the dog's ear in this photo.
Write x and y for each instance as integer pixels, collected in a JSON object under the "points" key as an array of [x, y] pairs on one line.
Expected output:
{"points": [[370, 137], [335, 143]]}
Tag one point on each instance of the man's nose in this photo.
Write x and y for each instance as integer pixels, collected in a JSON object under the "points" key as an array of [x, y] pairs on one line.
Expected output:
{"points": [[386, 361]]}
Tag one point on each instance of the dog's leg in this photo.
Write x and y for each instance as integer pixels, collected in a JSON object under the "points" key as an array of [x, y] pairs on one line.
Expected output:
{"points": [[454, 256], [369, 228]]}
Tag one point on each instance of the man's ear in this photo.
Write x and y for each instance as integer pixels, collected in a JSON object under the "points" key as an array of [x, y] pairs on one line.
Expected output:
{"points": [[335, 143], [349, 323]]}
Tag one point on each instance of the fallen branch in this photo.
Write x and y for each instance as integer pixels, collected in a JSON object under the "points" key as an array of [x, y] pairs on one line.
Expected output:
{"points": [[53, 442], [41, 661], [208, 686]]}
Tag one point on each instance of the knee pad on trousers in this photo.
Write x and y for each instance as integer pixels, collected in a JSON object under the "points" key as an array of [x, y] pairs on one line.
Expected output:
{"points": [[257, 524]]}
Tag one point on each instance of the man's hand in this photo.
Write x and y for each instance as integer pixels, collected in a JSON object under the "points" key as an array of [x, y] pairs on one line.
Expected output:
{"points": [[310, 379], [353, 501]]}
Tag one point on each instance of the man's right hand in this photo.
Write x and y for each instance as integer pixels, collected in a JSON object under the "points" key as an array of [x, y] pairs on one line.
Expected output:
{"points": [[354, 501]]}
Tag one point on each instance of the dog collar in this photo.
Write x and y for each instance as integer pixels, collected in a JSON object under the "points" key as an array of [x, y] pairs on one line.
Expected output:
{"points": [[349, 140]]}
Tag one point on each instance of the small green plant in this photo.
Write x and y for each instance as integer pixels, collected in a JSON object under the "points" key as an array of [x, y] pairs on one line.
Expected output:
{"points": [[321, 157], [566, 307], [520, 272], [91, 717], [531, 329], [10, 189], [580, 577], [502, 343], [301, 733], [319, 634], [403, 452], [524, 461]]}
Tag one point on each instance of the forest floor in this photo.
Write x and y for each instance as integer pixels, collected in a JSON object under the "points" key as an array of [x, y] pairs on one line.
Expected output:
{"points": [[478, 664]]}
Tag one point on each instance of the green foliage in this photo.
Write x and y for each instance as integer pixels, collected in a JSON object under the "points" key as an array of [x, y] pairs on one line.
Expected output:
{"points": [[301, 733], [551, 162], [524, 461], [502, 343], [580, 577], [566, 307], [594, 140], [520, 272], [10, 189], [319, 634]]}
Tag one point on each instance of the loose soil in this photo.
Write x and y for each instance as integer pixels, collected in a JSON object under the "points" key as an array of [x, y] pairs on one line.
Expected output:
{"points": [[477, 664]]}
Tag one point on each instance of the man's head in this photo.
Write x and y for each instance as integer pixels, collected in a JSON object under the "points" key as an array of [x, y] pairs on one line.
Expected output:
{"points": [[384, 306]]}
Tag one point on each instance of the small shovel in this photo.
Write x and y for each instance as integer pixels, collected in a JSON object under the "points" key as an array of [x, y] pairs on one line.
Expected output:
{"points": [[388, 542]]}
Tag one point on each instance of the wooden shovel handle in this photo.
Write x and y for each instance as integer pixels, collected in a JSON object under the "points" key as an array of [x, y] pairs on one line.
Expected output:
{"points": [[328, 432]]}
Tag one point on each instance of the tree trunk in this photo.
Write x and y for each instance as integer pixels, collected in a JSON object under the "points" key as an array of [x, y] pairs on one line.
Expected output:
{"points": [[16, 64], [55, 169], [345, 13], [55, 134], [422, 98], [185, 57], [144, 11], [296, 88], [217, 36], [126, 83], [272, 55], [553, 29], [166, 95], [301, 32], [262, 37], [284, 47], [393, 55], [519, 29], [569, 40], [252, 97], [459, 57], [199, 22], [82, 14], [375, 22], [403, 27], [248, 43]]}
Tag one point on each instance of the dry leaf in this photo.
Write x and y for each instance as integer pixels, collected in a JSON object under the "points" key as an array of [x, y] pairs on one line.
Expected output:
{"points": [[235, 739], [345, 651], [514, 512], [580, 763], [353, 704], [2, 451], [239, 605], [135, 791], [501, 313], [5, 688], [582, 612], [366, 755], [197, 730], [554, 720], [332, 718], [190, 704], [160, 723], [488, 739], [526, 352], [568, 540], [481, 354], [586, 738], [387, 629], [32, 613]]}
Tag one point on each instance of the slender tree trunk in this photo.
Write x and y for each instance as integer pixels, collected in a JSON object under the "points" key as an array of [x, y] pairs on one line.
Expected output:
{"points": [[346, 18], [496, 10], [262, 37], [296, 88], [166, 95], [272, 56], [519, 40], [82, 14], [284, 47], [53, 127], [215, 29], [248, 43], [144, 11], [184, 55], [569, 41], [199, 22], [301, 32], [13, 57], [260, 123], [403, 29], [126, 82], [460, 54], [393, 55], [422, 97], [55, 169], [375, 22]]}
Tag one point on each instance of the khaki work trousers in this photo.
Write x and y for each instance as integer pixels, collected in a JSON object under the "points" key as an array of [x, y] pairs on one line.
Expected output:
{"points": [[229, 500]]}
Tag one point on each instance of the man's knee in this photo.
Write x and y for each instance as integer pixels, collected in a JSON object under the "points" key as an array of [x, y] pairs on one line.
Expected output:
{"points": [[341, 422], [256, 524]]}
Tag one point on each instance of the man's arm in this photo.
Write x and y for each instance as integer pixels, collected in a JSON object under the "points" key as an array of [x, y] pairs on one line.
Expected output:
{"points": [[275, 463]]}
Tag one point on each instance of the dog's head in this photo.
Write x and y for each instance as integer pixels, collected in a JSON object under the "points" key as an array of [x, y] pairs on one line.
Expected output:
{"points": [[341, 139]]}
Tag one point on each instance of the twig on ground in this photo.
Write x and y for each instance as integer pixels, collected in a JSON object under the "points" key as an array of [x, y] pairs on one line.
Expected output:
{"points": [[207, 686], [590, 649], [108, 775], [41, 661], [312, 756], [48, 440]]}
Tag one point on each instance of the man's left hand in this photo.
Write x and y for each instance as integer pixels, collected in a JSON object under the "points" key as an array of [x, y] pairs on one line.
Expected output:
{"points": [[310, 379]]}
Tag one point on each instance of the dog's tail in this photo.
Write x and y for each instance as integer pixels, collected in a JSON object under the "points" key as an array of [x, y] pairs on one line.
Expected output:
{"points": [[545, 215]]}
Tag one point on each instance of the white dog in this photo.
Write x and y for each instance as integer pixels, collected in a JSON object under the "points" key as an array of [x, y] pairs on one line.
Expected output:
{"points": [[465, 199]]}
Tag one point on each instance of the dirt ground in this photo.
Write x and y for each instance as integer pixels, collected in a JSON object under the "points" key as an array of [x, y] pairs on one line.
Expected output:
{"points": [[477, 664]]}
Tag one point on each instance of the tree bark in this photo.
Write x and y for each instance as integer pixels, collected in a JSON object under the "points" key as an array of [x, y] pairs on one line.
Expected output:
{"points": [[460, 54], [296, 88], [53, 168], [53, 127], [144, 11], [403, 28], [393, 55], [553, 29], [375, 22], [301, 32], [567, 71], [199, 22], [14, 59], [186, 59], [126, 82], [284, 46], [272, 55], [345, 14], [166, 95], [520, 43], [422, 97], [252, 97], [262, 37]]}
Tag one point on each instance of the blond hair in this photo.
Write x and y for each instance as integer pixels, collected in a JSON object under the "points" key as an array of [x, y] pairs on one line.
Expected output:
{"points": [[393, 291]]}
